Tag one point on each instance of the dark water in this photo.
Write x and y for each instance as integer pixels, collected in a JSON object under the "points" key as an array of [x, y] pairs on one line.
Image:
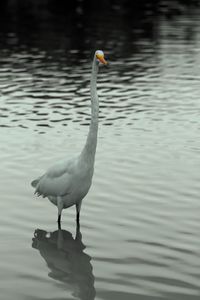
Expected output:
{"points": [[140, 224]]}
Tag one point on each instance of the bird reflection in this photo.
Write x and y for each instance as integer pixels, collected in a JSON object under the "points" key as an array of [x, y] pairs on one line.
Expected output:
{"points": [[66, 260]]}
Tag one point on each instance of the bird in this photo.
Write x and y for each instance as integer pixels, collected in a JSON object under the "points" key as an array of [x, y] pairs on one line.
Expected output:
{"points": [[68, 181]]}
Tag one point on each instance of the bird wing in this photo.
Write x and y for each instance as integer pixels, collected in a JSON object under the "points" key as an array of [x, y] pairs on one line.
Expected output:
{"points": [[57, 181]]}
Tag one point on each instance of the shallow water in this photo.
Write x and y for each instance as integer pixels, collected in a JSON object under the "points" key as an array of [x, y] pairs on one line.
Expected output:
{"points": [[139, 235]]}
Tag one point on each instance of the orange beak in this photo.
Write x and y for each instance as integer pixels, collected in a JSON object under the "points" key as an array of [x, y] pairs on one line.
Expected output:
{"points": [[102, 59]]}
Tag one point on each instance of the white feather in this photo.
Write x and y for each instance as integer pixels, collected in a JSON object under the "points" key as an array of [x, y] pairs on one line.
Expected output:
{"points": [[67, 182]]}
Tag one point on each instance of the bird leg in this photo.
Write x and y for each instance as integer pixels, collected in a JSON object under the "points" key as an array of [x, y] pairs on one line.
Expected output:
{"points": [[78, 208], [78, 218], [59, 221], [60, 207], [78, 233]]}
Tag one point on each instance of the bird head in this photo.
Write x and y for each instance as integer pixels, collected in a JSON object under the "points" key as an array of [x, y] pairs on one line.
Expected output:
{"points": [[100, 57]]}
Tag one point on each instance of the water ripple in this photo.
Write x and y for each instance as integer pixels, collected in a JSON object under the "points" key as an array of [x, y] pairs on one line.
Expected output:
{"points": [[140, 220]]}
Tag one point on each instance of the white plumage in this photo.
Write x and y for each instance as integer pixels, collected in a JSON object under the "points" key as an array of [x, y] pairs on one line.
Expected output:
{"points": [[66, 183]]}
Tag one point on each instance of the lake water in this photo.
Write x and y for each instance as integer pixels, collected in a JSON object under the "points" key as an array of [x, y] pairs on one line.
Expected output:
{"points": [[140, 222]]}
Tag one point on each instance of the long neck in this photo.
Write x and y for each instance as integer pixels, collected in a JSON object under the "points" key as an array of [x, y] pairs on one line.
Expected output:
{"points": [[89, 150]]}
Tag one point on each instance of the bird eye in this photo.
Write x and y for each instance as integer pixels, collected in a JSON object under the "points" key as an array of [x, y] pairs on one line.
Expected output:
{"points": [[99, 53]]}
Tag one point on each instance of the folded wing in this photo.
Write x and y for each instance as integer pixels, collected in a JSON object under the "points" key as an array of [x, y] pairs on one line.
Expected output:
{"points": [[57, 181]]}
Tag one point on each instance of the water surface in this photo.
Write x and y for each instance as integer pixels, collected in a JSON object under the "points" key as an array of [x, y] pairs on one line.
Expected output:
{"points": [[139, 235]]}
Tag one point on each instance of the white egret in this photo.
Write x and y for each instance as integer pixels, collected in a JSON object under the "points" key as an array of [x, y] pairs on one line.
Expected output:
{"points": [[67, 183]]}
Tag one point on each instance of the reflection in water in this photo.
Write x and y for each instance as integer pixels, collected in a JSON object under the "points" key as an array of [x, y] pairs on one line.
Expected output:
{"points": [[148, 159], [66, 260]]}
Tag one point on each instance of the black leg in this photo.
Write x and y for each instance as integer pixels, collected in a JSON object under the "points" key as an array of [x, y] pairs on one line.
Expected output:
{"points": [[78, 218], [59, 222], [78, 208], [78, 233]]}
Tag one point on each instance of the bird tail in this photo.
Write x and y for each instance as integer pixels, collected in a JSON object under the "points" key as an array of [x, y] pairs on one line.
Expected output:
{"points": [[35, 182]]}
